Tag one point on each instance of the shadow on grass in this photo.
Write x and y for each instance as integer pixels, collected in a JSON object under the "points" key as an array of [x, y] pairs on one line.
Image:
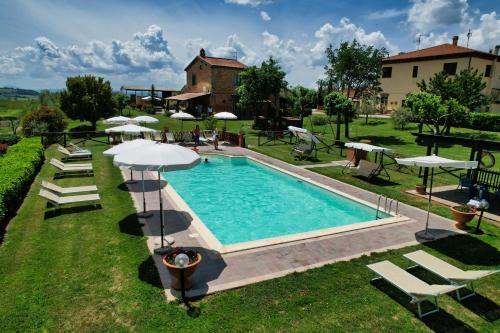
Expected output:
{"points": [[381, 140], [483, 307], [467, 249], [72, 175], [441, 321], [130, 225], [377, 180], [372, 122], [148, 273], [52, 212]]}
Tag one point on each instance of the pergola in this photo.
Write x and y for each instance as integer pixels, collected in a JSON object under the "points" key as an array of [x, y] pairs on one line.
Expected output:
{"points": [[477, 148]]}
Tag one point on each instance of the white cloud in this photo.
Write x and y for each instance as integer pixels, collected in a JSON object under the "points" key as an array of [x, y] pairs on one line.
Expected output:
{"points": [[288, 53], [147, 52], [433, 39], [235, 48], [487, 34], [194, 45], [386, 14], [345, 31], [427, 15], [253, 3], [265, 16]]}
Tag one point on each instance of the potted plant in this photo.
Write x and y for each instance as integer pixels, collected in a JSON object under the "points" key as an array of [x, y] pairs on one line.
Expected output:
{"points": [[420, 189], [462, 214], [175, 272]]}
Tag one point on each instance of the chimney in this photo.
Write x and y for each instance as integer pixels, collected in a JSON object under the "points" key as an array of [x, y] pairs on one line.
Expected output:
{"points": [[202, 53], [497, 48], [455, 40]]}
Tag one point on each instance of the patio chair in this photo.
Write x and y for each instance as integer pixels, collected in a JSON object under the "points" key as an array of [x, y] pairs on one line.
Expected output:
{"points": [[67, 190], [169, 136], [450, 273], [73, 155], [417, 289], [71, 168], [57, 201], [78, 149], [367, 169], [302, 151]]}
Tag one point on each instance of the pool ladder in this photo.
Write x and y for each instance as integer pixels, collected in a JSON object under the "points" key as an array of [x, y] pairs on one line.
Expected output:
{"points": [[387, 206]]}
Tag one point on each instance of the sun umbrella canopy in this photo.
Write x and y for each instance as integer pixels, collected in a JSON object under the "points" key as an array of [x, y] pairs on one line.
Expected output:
{"points": [[130, 129], [158, 157], [367, 147], [117, 120], [434, 161], [182, 115], [225, 116], [148, 98], [133, 146], [297, 129], [146, 119]]}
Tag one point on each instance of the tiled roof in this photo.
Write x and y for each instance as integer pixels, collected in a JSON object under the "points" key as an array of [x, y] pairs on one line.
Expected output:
{"points": [[438, 51], [219, 62]]}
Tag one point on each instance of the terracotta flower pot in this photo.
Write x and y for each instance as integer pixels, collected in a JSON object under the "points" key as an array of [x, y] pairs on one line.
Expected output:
{"points": [[420, 189], [175, 272], [462, 217]]}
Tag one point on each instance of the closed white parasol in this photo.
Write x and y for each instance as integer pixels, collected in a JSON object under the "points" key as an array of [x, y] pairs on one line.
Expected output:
{"points": [[160, 157], [432, 162]]}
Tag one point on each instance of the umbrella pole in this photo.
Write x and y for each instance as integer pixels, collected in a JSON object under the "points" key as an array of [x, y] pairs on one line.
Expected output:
{"points": [[162, 249], [427, 234], [131, 180], [144, 214]]}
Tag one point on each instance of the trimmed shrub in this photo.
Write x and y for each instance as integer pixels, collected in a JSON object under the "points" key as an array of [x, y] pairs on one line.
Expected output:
{"points": [[319, 120], [44, 119], [19, 167], [401, 117], [483, 121], [9, 139]]}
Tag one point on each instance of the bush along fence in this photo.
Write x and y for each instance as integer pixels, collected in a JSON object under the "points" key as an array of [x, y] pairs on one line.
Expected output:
{"points": [[19, 167]]}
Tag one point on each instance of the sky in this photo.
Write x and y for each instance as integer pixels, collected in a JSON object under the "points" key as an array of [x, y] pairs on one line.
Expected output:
{"points": [[151, 41]]}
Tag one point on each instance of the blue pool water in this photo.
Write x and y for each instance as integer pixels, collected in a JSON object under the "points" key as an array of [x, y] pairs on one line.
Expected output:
{"points": [[241, 200]]}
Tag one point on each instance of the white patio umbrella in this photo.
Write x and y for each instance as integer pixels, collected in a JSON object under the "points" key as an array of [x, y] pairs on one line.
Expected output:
{"points": [[146, 120], [182, 116], [432, 162], [129, 129], [225, 116], [132, 146], [160, 157], [148, 98], [117, 120]]}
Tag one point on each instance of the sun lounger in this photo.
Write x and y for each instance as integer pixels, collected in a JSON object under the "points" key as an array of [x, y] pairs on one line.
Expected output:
{"points": [[77, 154], [417, 289], [367, 169], [302, 150], [67, 190], [170, 137], [78, 149], [71, 168], [450, 273], [57, 201], [208, 135]]}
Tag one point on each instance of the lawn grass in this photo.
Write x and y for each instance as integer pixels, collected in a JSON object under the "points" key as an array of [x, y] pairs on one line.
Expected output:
{"points": [[89, 270]]}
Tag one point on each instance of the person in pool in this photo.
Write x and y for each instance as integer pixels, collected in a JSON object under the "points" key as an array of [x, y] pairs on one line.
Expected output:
{"points": [[206, 160]]}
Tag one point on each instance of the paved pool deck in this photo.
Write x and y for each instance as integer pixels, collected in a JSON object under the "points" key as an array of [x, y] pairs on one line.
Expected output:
{"points": [[218, 272]]}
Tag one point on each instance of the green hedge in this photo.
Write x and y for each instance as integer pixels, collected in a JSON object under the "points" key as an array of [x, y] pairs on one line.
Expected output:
{"points": [[19, 167], [483, 121], [9, 139]]}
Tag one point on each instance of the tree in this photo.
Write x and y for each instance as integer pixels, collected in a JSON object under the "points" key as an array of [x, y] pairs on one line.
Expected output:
{"points": [[44, 119], [353, 66], [303, 100], [87, 98], [13, 122], [47, 98], [337, 103], [120, 101], [368, 103], [401, 117], [259, 84], [429, 109], [465, 88]]}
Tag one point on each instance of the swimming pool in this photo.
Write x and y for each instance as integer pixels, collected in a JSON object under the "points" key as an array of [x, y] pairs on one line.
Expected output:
{"points": [[241, 200]]}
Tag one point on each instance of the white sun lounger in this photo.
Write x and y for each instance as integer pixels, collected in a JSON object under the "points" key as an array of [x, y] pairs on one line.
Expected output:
{"points": [[170, 137], [71, 168], [208, 135], [417, 289], [67, 190], [450, 273], [77, 154], [79, 149], [57, 201], [367, 169]]}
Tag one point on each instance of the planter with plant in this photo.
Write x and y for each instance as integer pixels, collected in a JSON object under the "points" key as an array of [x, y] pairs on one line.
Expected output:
{"points": [[462, 214], [420, 189], [175, 272]]}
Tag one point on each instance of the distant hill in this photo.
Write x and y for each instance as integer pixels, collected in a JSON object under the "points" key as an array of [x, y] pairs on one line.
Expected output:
{"points": [[17, 93]]}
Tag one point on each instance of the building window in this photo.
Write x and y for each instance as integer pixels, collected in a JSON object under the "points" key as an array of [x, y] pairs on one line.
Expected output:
{"points": [[236, 80], [386, 71], [415, 71], [487, 71], [450, 68], [193, 79], [384, 99]]}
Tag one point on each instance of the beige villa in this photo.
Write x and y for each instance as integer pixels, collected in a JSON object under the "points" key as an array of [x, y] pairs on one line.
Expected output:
{"points": [[402, 72]]}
